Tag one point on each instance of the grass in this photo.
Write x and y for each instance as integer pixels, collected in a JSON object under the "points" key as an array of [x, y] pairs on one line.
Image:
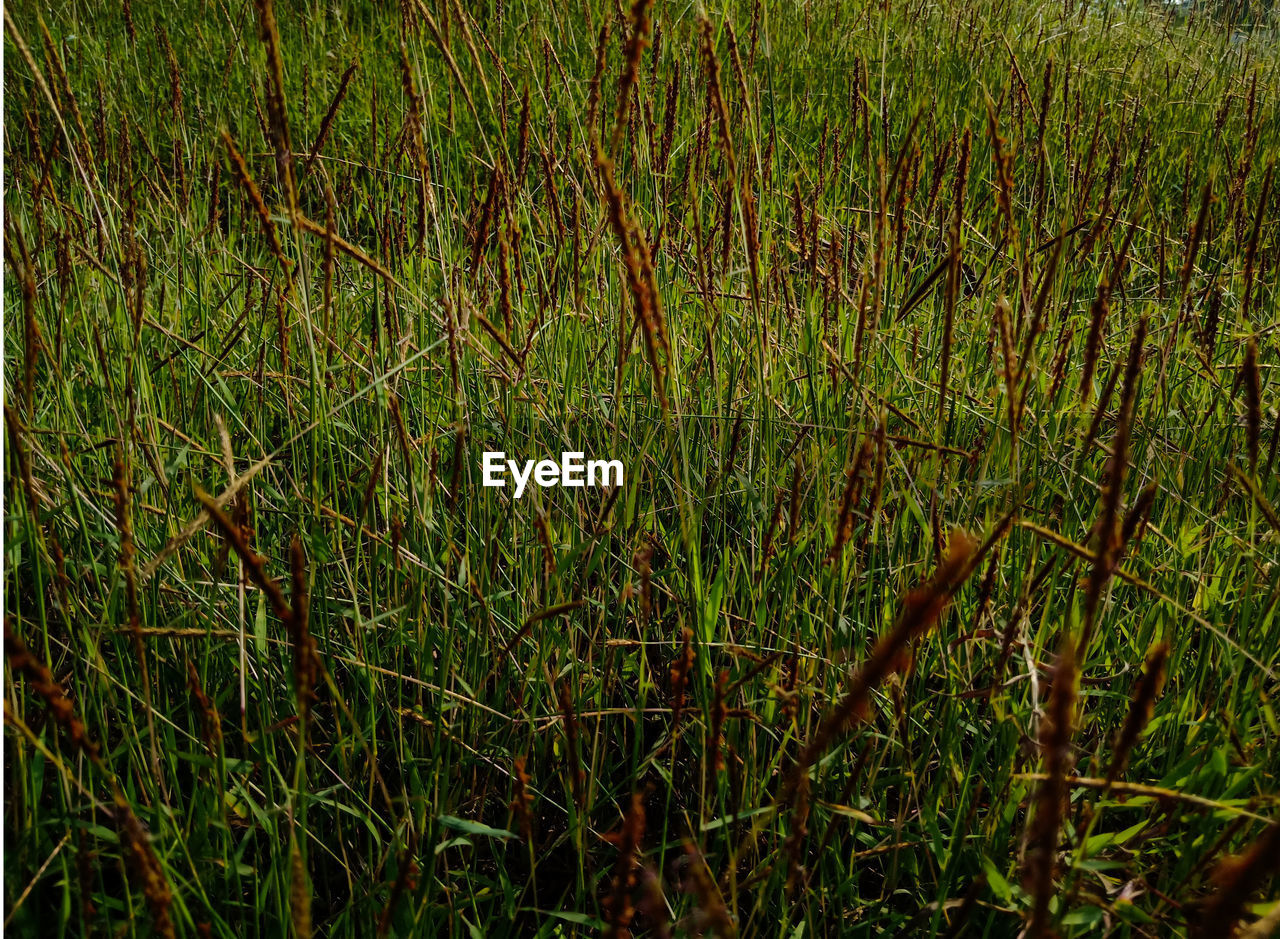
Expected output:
{"points": [[939, 343]]}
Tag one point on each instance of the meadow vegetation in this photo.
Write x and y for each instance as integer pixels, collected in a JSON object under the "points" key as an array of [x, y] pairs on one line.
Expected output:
{"points": [[939, 342]]}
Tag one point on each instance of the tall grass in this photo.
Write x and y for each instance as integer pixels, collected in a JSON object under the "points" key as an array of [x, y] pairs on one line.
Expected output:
{"points": [[939, 343]]}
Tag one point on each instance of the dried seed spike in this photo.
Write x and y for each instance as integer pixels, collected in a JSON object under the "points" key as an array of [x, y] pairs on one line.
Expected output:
{"points": [[504, 275], [127, 9], [739, 73], [1056, 730], [1145, 693], [1003, 158], [1040, 309], [522, 146], [140, 857], [480, 233], [641, 282], [1098, 311], [277, 112], [1041, 152], [771, 531], [573, 759], [794, 844], [619, 904], [59, 71], [522, 799], [1136, 518], [241, 170], [1005, 326], [1100, 410], [175, 75], [417, 146], [1194, 237], [921, 609], [1237, 878], [854, 477], [637, 42], [1251, 486], [210, 720], [955, 247], [1252, 381], [1109, 544], [326, 125], [304, 644], [23, 661], [793, 510], [593, 95], [1251, 250], [882, 459], [19, 449], [122, 487], [299, 891], [719, 714], [253, 562], [669, 120], [680, 670], [716, 94]]}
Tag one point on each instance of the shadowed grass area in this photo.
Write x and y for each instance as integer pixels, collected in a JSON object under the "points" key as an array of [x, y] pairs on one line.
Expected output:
{"points": [[938, 342]]}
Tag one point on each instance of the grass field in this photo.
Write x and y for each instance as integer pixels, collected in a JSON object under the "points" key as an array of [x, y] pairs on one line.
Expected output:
{"points": [[939, 342]]}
